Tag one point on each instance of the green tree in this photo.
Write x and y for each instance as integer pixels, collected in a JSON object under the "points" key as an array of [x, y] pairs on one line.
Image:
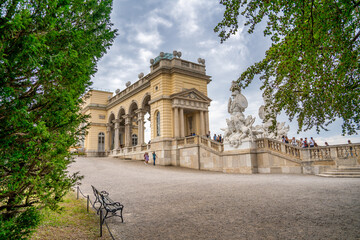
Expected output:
{"points": [[311, 70], [48, 53]]}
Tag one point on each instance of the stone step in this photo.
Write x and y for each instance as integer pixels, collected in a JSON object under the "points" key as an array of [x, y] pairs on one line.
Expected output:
{"points": [[339, 176], [343, 172], [349, 168]]}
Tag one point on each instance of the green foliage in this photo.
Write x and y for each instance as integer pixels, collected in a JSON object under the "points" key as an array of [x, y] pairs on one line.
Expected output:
{"points": [[20, 226], [48, 53], [311, 71]]}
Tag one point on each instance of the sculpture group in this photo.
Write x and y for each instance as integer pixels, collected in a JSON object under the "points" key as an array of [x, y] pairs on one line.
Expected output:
{"points": [[241, 128]]}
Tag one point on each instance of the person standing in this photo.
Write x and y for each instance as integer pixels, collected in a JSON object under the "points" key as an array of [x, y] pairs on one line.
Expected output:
{"points": [[154, 157], [215, 138], [312, 142]]}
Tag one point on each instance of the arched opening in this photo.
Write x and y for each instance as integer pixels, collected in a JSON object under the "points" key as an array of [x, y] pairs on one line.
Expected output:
{"points": [[101, 142], [147, 120], [133, 128], [121, 117]]}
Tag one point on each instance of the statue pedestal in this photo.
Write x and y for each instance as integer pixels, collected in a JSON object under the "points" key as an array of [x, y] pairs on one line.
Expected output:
{"points": [[244, 145]]}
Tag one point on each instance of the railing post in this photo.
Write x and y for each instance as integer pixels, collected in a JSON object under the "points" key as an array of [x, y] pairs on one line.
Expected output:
{"points": [[87, 204], [333, 153], [101, 222]]}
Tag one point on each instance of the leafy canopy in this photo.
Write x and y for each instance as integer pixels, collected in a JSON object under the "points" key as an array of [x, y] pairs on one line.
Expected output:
{"points": [[48, 53], [311, 71]]}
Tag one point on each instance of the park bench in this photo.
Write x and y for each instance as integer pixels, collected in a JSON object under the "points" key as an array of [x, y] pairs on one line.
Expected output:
{"points": [[106, 203]]}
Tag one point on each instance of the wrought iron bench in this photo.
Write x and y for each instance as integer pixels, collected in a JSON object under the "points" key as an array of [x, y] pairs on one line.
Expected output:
{"points": [[106, 203]]}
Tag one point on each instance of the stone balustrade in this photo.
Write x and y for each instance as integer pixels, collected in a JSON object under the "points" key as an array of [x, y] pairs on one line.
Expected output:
{"points": [[310, 154], [204, 141]]}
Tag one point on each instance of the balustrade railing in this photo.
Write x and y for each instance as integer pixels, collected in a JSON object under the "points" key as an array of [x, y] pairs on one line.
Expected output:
{"points": [[320, 153], [350, 150], [292, 151], [274, 145]]}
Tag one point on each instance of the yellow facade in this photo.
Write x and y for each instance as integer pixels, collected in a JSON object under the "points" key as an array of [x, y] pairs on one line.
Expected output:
{"points": [[174, 93]]}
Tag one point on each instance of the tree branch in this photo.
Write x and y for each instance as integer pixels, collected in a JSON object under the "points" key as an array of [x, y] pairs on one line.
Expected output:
{"points": [[356, 36]]}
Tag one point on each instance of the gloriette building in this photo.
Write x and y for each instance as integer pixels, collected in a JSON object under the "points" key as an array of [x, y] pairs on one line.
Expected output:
{"points": [[174, 96]]}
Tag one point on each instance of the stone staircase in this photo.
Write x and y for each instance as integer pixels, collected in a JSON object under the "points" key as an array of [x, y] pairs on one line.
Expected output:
{"points": [[342, 172]]}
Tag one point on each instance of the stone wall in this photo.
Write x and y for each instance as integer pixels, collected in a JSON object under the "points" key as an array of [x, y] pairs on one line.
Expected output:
{"points": [[268, 156]]}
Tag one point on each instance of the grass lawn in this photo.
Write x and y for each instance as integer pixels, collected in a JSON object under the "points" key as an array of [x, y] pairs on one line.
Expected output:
{"points": [[73, 222]]}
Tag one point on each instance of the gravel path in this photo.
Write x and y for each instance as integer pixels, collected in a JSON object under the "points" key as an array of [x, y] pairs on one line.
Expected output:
{"points": [[176, 203]]}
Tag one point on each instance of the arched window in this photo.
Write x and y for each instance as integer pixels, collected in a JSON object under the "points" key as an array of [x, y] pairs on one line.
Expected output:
{"points": [[158, 124], [101, 142], [134, 138]]}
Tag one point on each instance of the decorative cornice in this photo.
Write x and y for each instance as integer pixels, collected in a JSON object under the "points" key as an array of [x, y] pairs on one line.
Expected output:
{"points": [[128, 95], [95, 106], [162, 97], [175, 69], [98, 124]]}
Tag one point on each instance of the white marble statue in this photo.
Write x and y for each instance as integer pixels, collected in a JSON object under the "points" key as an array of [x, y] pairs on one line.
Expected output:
{"points": [[239, 128], [280, 130]]}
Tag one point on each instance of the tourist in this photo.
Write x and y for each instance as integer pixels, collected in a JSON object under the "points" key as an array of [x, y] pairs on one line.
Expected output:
{"points": [[305, 143], [312, 142], [351, 148], [215, 138], [283, 139], [146, 158], [154, 157], [293, 142], [286, 140], [326, 144], [220, 138], [301, 143]]}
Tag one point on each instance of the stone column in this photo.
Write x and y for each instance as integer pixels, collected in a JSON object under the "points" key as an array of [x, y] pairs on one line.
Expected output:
{"points": [[127, 130], [207, 122], [182, 123], [202, 124], [116, 140], [108, 132], [176, 123], [140, 114]]}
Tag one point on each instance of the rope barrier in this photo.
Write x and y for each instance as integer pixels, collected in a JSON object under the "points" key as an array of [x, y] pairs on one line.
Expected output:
{"points": [[78, 190]]}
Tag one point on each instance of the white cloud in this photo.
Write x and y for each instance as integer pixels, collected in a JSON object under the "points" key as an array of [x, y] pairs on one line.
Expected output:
{"points": [[190, 14], [217, 116], [149, 39]]}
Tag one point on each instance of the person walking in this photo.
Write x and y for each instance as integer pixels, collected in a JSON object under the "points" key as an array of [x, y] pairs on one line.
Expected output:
{"points": [[146, 158], [154, 157]]}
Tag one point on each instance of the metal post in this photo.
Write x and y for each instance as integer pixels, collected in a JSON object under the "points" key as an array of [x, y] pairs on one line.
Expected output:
{"points": [[77, 192], [100, 223], [87, 204]]}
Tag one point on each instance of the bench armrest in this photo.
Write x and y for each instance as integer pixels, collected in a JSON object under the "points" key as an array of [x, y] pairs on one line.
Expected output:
{"points": [[104, 193]]}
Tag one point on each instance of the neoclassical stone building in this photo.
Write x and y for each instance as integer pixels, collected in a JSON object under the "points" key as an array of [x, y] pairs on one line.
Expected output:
{"points": [[174, 93]]}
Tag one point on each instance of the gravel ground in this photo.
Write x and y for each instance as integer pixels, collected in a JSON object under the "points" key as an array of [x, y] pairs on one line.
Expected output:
{"points": [[176, 203]]}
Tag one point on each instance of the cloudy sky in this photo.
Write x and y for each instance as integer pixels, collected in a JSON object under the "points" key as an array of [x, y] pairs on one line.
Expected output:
{"points": [[148, 27]]}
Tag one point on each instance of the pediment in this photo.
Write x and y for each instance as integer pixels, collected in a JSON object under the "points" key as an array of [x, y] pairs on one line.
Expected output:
{"points": [[191, 94]]}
